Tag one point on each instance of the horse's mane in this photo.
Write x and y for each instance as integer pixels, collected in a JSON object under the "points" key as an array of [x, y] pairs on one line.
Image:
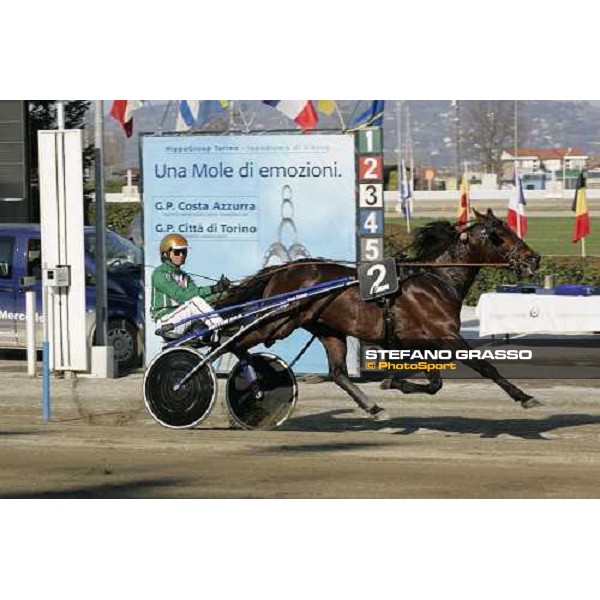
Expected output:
{"points": [[252, 286], [434, 239]]}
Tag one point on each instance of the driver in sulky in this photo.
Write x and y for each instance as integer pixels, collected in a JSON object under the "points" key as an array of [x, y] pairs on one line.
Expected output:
{"points": [[175, 296]]}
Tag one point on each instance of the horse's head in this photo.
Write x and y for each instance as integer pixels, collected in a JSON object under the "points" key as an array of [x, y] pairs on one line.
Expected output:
{"points": [[498, 243]]}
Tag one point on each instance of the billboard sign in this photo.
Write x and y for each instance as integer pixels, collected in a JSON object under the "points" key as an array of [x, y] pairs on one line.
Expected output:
{"points": [[249, 201]]}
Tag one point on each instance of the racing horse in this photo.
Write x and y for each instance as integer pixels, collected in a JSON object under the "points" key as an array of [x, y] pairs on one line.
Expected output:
{"points": [[426, 308]]}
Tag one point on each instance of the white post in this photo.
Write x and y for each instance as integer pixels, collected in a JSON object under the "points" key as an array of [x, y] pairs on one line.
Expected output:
{"points": [[564, 180], [583, 255], [45, 352], [60, 114], [30, 329]]}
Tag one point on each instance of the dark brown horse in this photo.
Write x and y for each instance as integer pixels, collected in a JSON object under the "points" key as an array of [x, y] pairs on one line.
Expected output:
{"points": [[427, 306]]}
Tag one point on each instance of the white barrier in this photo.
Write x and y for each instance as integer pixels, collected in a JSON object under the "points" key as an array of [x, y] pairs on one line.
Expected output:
{"points": [[446, 202]]}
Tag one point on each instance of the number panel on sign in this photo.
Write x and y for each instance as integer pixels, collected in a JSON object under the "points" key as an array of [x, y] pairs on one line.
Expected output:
{"points": [[369, 141], [371, 221], [371, 249], [378, 279], [371, 195], [370, 168]]}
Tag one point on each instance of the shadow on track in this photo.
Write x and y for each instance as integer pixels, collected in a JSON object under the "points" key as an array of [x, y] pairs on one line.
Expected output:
{"points": [[529, 429], [128, 489]]}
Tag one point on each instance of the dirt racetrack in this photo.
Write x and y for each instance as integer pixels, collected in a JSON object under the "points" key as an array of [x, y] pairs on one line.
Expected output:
{"points": [[469, 441]]}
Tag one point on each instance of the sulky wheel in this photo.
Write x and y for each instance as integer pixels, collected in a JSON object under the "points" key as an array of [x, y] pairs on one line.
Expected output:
{"points": [[184, 407], [261, 391]]}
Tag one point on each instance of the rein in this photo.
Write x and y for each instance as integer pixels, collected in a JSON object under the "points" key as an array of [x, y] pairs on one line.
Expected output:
{"points": [[443, 265]]}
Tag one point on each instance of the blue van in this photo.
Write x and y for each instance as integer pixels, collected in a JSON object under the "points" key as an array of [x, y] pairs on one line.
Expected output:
{"points": [[20, 256]]}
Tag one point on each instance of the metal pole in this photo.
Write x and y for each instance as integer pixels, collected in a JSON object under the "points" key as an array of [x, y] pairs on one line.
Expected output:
{"points": [[101, 294], [517, 188], [30, 328], [60, 114], [458, 134], [45, 353], [399, 142]]}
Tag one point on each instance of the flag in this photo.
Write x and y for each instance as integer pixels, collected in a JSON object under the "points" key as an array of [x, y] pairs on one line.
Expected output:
{"points": [[326, 106], [463, 208], [516, 218], [209, 109], [301, 111], [122, 111], [187, 114], [404, 192], [581, 227], [371, 117]]}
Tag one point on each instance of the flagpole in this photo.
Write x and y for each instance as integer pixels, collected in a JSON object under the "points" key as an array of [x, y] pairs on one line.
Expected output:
{"points": [[243, 118], [340, 117], [231, 115], [399, 142], [162, 123], [401, 171], [468, 191], [253, 116], [355, 110], [458, 135], [409, 148], [517, 190], [583, 255]]}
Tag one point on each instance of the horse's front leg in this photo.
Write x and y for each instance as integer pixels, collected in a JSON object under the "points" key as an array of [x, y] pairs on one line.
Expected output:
{"points": [[398, 382], [486, 369]]}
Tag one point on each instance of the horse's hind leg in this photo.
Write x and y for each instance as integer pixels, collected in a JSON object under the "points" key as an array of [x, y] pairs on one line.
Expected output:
{"points": [[336, 348], [408, 387]]}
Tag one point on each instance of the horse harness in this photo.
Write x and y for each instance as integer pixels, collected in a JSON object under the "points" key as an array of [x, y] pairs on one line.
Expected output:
{"points": [[404, 273]]}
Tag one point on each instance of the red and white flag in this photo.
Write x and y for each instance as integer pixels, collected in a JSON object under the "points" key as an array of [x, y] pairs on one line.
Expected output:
{"points": [[464, 205], [301, 112], [516, 218], [122, 111]]}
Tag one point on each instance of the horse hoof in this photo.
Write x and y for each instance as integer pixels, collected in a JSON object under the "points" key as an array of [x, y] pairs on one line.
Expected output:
{"points": [[379, 414], [531, 403], [386, 384]]}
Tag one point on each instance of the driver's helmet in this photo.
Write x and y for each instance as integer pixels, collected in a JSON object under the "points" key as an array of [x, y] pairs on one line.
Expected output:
{"points": [[172, 241]]}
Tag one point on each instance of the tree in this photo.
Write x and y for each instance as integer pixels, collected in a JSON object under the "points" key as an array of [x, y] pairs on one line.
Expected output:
{"points": [[489, 128], [42, 115]]}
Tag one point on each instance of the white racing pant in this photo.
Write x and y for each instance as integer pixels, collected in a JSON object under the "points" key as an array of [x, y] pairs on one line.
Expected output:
{"points": [[194, 306]]}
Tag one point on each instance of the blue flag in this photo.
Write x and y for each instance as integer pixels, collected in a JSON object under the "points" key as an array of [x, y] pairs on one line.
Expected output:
{"points": [[209, 109], [371, 117], [404, 191]]}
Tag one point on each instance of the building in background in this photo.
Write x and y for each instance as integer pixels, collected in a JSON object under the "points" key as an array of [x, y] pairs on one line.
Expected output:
{"points": [[16, 205], [540, 167]]}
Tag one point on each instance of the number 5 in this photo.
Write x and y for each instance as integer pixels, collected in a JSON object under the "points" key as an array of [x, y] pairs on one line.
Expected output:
{"points": [[372, 249]]}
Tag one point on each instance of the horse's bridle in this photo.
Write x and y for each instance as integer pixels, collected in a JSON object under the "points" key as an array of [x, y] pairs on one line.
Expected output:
{"points": [[510, 256]]}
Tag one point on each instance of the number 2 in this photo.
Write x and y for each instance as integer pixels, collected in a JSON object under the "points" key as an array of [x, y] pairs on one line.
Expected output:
{"points": [[371, 172], [381, 271]]}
